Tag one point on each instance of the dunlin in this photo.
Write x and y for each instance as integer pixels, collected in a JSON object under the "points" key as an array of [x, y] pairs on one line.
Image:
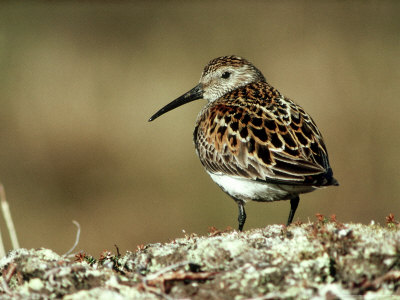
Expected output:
{"points": [[255, 143]]}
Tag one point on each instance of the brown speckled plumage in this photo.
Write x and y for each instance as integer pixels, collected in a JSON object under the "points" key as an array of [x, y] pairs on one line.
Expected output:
{"points": [[256, 133], [255, 143]]}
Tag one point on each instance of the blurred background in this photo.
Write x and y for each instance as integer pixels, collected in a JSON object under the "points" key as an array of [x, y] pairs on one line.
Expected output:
{"points": [[79, 81]]}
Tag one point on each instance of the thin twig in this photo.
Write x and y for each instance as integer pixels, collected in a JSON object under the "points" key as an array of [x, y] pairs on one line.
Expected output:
{"points": [[166, 269], [6, 277], [6, 288], [7, 217], [157, 274], [118, 253], [78, 233]]}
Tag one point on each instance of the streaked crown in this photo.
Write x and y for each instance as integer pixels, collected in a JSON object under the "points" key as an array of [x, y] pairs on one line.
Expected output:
{"points": [[227, 73]]}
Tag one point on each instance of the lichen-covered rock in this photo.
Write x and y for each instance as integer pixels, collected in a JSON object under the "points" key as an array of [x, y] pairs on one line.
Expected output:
{"points": [[321, 260]]}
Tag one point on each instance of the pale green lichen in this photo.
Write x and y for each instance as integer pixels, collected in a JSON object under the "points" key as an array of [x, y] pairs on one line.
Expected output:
{"points": [[35, 284], [310, 261]]}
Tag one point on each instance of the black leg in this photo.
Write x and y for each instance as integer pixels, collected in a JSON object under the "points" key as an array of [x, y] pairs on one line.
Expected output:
{"points": [[294, 202], [242, 215]]}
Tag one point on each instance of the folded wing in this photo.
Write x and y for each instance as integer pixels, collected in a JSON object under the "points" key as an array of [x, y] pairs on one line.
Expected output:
{"points": [[272, 141]]}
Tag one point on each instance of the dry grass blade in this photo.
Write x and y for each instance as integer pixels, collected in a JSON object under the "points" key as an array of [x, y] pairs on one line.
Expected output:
{"points": [[2, 249], [78, 234], [7, 217]]}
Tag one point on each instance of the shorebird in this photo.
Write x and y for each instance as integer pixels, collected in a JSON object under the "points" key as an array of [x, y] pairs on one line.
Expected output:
{"points": [[255, 143]]}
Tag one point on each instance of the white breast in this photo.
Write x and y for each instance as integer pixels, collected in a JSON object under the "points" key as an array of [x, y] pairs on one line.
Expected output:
{"points": [[247, 189]]}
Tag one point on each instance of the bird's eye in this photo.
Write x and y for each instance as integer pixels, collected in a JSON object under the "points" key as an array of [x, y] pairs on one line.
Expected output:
{"points": [[226, 75]]}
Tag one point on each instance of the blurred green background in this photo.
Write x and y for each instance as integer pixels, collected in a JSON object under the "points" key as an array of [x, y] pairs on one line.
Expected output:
{"points": [[80, 79]]}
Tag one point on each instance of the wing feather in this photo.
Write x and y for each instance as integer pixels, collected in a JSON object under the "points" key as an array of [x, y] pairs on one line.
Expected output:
{"points": [[270, 139]]}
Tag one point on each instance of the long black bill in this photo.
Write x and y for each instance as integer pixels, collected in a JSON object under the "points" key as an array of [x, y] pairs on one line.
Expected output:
{"points": [[194, 94]]}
